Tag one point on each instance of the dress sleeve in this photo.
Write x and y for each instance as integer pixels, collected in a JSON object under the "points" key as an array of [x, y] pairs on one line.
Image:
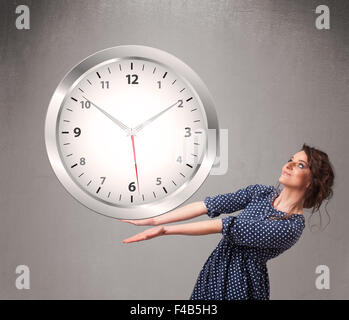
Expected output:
{"points": [[229, 202], [268, 233]]}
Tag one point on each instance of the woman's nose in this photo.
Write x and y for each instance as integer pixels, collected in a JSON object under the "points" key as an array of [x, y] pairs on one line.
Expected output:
{"points": [[289, 165]]}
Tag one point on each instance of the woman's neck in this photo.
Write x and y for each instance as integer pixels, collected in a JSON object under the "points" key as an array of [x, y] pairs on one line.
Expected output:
{"points": [[290, 199]]}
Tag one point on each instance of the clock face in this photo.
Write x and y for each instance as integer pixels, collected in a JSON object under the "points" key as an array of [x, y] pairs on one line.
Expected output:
{"points": [[127, 132]]}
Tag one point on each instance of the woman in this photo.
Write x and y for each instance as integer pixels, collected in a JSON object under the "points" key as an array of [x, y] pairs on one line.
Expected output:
{"points": [[271, 222]]}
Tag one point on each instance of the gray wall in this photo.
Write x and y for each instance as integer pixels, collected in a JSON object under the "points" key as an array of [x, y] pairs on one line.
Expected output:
{"points": [[277, 82]]}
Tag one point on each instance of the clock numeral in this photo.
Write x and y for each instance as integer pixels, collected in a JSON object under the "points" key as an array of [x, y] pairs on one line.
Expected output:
{"points": [[82, 161], [135, 78], [105, 84], [179, 159], [103, 179], [85, 104], [159, 83], [132, 186], [180, 103], [77, 131], [188, 132], [158, 181]]}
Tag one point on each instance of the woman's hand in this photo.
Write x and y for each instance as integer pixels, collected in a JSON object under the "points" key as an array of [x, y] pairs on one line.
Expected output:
{"points": [[147, 234], [141, 222]]}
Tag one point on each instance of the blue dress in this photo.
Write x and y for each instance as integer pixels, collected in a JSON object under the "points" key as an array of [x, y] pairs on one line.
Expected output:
{"points": [[236, 269]]}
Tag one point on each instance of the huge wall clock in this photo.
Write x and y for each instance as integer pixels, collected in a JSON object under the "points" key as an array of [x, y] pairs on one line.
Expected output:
{"points": [[127, 132]]}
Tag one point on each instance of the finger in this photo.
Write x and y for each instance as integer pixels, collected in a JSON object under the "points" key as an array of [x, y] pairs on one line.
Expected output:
{"points": [[130, 221], [124, 220], [137, 237], [129, 240], [135, 222]]}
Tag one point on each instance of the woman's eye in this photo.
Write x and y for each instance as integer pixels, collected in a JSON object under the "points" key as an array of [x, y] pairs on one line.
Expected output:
{"points": [[302, 166]]}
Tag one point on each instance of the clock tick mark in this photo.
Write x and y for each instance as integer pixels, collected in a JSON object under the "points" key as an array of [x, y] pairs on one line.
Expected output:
{"points": [[196, 120], [182, 90], [174, 183], [89, 82], [131, 65], [98, 189], [195, 155], [109, 194], [81, 90], [199, 132], [69, 155], [182, 174], [65, 132], [193, 110], [143, 68], [120, 197], [89, 182], [131, 198], [164, 189], [143, 197], [99, 76], [74, 99], [163, 77], [69, 109], [66, 120], [154, 70], [74, 165], [197, 143], [65, 144], [154, 194], [189, 165], [81, 174], [174, 81], [120, 67], [109, 70], [189, 99]]}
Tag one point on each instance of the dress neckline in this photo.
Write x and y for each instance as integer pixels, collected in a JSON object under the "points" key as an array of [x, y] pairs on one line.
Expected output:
{"points": [[271, 199]]}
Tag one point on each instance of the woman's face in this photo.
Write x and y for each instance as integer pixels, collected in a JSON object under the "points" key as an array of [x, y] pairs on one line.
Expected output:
{"points": [[296, 172]]}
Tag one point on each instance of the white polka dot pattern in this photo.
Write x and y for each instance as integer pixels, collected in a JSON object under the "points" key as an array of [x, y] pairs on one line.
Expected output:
{"points": [[236, 269]]}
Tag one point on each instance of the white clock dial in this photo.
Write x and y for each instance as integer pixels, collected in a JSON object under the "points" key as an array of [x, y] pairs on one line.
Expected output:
{"points": [[130, 133]]}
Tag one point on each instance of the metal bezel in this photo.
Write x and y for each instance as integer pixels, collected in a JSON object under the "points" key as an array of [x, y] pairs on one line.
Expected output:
{"points": [[155, 208]]}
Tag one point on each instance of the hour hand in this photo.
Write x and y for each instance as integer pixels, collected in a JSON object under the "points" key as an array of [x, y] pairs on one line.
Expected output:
{"points": [[116, 121], [145, 123]]}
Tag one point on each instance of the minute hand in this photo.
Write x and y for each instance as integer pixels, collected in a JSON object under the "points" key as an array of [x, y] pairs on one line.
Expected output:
{"points": [[118, 122], [145, 123]]}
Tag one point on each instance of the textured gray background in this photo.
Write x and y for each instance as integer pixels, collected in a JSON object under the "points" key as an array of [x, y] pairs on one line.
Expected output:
{"points": [[277, 82]]}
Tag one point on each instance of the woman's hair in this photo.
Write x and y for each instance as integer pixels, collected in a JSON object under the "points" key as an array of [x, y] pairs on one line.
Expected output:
{"points": [[322, 178]]}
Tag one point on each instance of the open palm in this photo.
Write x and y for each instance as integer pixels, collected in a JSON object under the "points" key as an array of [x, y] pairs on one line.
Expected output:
{"points": [[146, 235]]}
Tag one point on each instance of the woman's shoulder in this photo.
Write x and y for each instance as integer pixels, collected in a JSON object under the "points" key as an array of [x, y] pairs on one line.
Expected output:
{"points": [[262, 188]]}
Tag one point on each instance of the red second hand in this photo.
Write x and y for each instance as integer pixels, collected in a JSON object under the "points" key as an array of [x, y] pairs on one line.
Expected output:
{"points": [[134, 156]]}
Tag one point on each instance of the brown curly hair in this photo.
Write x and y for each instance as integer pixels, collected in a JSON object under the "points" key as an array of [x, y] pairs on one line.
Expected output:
{"points": [[322, 179]]}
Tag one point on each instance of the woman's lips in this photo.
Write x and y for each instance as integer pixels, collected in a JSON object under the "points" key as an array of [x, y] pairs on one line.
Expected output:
{"points": [[285, 173]]}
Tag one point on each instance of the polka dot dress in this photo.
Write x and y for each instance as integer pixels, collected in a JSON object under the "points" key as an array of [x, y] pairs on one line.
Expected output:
{"points": [[236, 269]]}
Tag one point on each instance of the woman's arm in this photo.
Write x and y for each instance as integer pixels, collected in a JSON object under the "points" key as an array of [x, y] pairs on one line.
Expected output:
{"points": [[268, 233], [195, 228], [187, 212]]}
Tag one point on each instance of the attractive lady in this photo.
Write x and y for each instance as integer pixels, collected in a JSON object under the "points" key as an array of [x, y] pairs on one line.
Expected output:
{"points": [[271, 222]]}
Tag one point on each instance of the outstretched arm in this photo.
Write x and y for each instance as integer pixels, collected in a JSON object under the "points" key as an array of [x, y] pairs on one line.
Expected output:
{"points": [[186, 212], [193, 229], [212, 206]]}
